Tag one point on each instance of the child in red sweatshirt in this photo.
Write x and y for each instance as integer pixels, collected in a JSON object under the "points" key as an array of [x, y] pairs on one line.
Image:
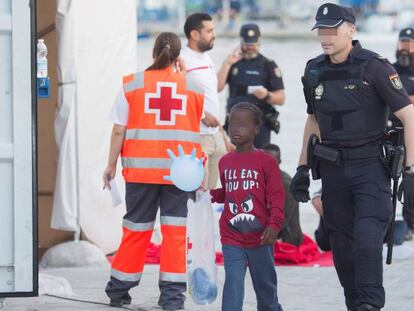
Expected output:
{"points": [[253, 197]]}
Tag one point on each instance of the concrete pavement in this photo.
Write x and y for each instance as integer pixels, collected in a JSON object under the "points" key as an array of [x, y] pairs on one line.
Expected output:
{"points": [[300, 289]]}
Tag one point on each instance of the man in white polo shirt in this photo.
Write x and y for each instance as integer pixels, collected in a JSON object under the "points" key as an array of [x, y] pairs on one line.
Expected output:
{"points": [[199, 29]]}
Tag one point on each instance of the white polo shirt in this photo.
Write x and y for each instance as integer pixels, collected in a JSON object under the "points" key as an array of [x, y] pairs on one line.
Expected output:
{"points": [[200, 70], [120, 110]]}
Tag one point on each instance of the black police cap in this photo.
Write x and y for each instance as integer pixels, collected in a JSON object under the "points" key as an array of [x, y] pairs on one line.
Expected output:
{"points": [[331, 15], [250, 33], [407, 33]]}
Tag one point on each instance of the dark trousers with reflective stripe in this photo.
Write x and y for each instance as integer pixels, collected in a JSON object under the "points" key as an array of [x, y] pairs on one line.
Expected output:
{"points": [[357, 210], [142, 201]]}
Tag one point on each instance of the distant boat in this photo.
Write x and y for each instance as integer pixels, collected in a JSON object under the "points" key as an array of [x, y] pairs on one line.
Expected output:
{"points": [[143, 35]]}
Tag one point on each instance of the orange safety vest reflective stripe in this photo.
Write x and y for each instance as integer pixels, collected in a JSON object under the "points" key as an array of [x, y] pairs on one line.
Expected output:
{"points": [[165, 110]]}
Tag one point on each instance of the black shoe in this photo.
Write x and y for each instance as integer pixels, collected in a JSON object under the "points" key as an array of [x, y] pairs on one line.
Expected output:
{"points": [[409, 235], [126, 299], [119, 302], [173, 308], [367, 307]]}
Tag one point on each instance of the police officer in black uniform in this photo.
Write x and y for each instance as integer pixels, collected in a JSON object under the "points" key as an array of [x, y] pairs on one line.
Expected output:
{"points": [[405, 60], [405, 65], [405, 69], [349, 90], [254, 78]]}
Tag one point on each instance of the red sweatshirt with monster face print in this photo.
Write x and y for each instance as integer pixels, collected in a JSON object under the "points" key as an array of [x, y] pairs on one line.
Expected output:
{"points": [[253, 197]]}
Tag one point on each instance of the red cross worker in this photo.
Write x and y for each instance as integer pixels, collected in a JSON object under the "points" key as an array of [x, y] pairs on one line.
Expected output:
{"points": [[156, 110]]}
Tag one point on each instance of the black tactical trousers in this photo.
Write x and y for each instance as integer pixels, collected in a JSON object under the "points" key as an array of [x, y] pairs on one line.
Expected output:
{"points": [[263, 137], [357, 210]]}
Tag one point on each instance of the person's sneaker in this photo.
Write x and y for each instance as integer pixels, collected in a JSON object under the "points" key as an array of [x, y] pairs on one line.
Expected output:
{"points": [[119, 302]]}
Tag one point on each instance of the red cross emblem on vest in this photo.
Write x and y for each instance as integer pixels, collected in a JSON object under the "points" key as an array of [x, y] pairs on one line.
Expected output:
{"points": [[165, 103]]}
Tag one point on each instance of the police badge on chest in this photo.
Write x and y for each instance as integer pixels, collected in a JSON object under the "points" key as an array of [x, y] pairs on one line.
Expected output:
{"points": [[319, 91]]}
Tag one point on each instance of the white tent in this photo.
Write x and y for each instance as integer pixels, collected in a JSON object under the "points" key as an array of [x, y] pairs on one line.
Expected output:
{"points": [[96, 47]]}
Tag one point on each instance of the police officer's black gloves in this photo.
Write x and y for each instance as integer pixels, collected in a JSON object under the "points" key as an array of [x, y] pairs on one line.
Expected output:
{"points": [[408, 215], [299, 186], [406, 191]]}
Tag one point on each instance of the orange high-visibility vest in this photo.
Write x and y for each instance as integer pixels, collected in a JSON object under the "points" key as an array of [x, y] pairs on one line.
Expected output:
{"points": [[165, 111]]}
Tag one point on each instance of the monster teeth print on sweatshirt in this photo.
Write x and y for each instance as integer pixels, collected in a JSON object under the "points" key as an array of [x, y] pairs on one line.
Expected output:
{"points": [[242, 217]]}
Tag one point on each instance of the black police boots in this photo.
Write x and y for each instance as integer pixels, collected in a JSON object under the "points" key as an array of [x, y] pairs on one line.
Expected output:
{"points": [[367, 307]]}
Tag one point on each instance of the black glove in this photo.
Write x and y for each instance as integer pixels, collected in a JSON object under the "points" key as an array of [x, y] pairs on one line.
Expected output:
{"points": [[299, 186], [406, 191]]}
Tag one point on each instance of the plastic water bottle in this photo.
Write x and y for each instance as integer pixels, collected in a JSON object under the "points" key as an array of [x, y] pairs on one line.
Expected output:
{"points": [[41, 59]]}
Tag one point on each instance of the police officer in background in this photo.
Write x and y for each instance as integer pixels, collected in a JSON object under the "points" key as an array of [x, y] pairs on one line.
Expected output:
{"points": [[348, 91], [405, 60], [254, 78], [405, 65], [405, 69]]}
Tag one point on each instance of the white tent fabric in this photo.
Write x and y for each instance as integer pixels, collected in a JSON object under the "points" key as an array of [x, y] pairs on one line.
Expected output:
{"points": [[96, 47], [64, 215]]}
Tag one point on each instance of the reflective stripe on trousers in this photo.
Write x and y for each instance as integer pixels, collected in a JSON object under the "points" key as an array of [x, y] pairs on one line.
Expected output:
{"points": [[173, 277], [123, 276]]}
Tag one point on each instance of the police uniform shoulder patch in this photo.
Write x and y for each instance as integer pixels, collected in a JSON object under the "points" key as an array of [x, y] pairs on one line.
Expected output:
{"points": [[395, 81], [278, 72], [235, 71]]}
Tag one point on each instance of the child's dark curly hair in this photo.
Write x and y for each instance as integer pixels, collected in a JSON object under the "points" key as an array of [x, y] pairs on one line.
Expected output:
{"points": [[252, 108]]}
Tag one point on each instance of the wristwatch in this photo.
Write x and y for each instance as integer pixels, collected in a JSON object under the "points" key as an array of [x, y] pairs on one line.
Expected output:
{"points": [[409, 170]]}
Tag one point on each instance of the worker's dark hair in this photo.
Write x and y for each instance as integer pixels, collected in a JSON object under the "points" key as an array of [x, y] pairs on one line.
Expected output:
{"points": [[195, 22], [271, 147], [166, 50], [252, 108]]}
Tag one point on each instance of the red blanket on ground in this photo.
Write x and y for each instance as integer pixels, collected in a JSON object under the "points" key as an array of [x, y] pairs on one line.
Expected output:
{"points": [[305, 255]]}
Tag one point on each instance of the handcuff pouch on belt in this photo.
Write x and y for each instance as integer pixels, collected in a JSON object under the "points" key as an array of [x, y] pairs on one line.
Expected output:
{"points": [[327, 154], [318, 152]]}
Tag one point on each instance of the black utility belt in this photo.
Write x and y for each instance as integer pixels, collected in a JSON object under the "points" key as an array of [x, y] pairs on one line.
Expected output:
{"points": [[335, 155]]}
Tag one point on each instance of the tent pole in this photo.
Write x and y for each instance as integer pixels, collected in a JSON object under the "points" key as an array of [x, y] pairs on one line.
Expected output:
{"points": [[78, 229]]}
